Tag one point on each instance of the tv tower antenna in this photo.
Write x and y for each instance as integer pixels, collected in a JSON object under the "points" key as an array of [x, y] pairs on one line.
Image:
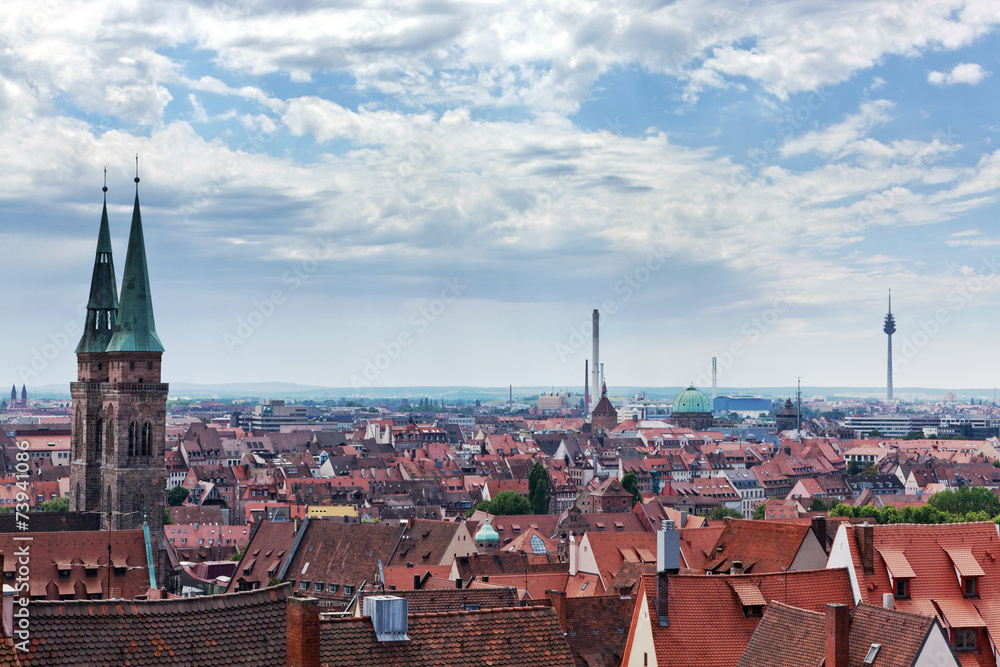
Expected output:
{"points": [[889, 328]]}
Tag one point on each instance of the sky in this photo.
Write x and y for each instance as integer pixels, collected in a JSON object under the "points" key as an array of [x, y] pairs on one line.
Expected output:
{"points": [[391, 193]]}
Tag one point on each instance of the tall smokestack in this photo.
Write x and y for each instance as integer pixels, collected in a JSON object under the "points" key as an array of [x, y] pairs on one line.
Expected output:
{"points": [[715, 387], [586, 386], [889, 328], [596, 368]]}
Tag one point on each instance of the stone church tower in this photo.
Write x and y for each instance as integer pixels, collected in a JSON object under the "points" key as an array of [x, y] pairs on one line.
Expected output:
{"points": [[119, 403]]}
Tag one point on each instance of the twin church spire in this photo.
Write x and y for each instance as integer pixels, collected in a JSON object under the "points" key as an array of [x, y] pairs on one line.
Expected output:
{"points": [[124, 325]]}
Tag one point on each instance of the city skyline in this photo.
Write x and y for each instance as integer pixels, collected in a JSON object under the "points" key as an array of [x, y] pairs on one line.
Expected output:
{"points": [[327, 190]]}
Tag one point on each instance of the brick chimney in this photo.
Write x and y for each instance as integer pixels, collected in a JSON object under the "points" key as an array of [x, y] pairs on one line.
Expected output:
{"points": [[838, 635], [819, 528], [558, 599], [301, 632], [865, 535]]}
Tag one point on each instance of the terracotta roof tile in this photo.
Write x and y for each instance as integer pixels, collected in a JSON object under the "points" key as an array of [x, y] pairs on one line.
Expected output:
{"points": [[707, 625], [597, 629], [521, 637], [241, 628]]}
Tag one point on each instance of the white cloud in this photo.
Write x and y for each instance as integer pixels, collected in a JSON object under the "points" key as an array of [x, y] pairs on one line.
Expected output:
{"points": [[970, 73], [833, 139]]}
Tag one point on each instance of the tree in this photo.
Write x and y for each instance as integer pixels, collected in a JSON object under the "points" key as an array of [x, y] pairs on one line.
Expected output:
{"points": [[54, 505], [631, 484], [721, 512], [177, 495], [167, 521], [817, 505], [506, 503], [760, 512], [538, 489], [966, 499]]}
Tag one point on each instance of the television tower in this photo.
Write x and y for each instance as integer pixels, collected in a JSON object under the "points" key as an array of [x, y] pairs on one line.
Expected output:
{"points": [[889, 328]]}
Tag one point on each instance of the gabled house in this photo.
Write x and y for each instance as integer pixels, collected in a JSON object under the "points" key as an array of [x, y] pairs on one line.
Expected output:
{"points": [[870, 637], [948, 571], [684, 620]]}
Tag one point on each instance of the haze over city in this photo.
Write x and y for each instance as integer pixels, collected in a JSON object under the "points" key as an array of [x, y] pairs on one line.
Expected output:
{"points": [[458, 188]]}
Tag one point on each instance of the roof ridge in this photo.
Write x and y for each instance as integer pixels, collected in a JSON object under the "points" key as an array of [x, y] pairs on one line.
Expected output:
{"points": [[875, 607], [464, 612], [78, 607]]}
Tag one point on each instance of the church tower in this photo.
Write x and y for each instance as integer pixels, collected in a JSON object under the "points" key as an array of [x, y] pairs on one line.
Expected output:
{"points": [[91, 426], [118, 465]]}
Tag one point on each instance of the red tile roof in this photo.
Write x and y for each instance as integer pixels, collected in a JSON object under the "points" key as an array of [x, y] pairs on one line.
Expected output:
{"points": [[707, 624], [218, 630], [792, 637], [518, 637], [596, 629], [762, 546], [84, 554]]}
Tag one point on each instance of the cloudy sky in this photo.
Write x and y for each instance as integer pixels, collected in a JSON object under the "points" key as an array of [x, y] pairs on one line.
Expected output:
{"points": [[402, 193]]}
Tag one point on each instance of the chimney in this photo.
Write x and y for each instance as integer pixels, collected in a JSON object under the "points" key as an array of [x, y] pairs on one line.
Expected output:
{"points": [[8, 608], [668, 548], [389, 617], [594, 370], [888, 600], [736, 567], [301, 632], [684, 520], [865, 536], [838, 635], [819, 528], [574, 555], [558, 599]]}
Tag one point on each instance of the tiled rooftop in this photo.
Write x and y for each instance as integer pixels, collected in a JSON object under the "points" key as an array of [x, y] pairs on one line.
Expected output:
{"points": [[220, 630], [518, 637]]}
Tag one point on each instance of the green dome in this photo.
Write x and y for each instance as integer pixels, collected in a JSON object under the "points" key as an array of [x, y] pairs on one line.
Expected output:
{"points": [[691, 400], [487, 534]]}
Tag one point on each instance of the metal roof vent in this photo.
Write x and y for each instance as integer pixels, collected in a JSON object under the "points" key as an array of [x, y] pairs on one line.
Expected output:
{"points": [[389, 617]]}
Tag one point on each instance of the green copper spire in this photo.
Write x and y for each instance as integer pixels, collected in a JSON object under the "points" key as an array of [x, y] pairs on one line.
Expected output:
{"points": [[102, 308], [136, 331]]}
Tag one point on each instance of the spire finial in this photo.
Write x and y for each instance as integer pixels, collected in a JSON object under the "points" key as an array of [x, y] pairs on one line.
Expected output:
{"points": [[890, 301], [137, 172], [105, 188]]}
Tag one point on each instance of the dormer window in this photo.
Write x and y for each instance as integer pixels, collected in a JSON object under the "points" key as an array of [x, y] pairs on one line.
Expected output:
{"points": [[753, 611], [902, 589], [966, 639], [970, 587]]}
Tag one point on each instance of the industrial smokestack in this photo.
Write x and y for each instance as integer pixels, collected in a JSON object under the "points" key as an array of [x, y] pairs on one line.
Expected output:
{"points": [[715, 386], [596, 369], [586, 386]]}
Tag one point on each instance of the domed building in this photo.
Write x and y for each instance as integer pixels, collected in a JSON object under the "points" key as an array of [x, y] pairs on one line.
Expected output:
{"points": [[692, 409], [487, 539]]}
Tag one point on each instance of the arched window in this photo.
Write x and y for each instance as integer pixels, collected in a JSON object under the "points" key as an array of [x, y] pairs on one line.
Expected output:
{"points": [[147, 439], [79, 499], [132, 438], [99, 436]]}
